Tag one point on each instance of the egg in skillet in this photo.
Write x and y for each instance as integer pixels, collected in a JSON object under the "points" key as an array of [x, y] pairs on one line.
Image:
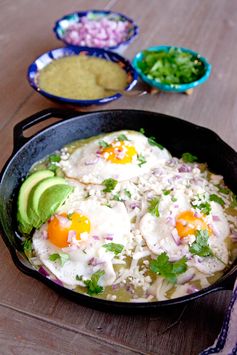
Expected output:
{"points": [[72, 244], [120, 155], [176, 226]]}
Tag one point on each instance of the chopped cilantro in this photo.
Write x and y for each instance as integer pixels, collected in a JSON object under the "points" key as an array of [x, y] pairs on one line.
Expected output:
{"points": [[54, 158], [200, 246], [103, 144], [142, 130], [109, 184], [128, 193], [204, 207], [114, 247], [217, 199], [122, 137], [117, 197], [162, 266], [27, 247], [173, 199], [92, 285], [174, 66], [141, 159], [166, 192], [233, 201], [152, 141], [153, 207], [224, 190], [62, 257], [107, 204], [79, 278], [189, 158]]}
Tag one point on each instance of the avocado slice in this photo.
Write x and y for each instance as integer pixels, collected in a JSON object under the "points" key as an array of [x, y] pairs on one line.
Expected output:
{"points": [[37, 205], [52, 199], [23, 198]]}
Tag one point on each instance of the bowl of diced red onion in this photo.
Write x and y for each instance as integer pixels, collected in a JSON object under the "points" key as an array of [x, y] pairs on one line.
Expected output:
{"points": [[96, 28]]}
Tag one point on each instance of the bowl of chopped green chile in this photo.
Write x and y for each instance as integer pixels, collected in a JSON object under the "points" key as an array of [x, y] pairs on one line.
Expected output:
{"points": [[173, 69]]}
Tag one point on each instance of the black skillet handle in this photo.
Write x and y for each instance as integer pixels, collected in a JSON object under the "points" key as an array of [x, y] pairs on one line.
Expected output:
{"points": [[18, 133]]}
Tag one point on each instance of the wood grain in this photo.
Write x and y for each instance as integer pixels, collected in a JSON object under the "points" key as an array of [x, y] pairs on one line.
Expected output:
{"points": [[34, 319]]}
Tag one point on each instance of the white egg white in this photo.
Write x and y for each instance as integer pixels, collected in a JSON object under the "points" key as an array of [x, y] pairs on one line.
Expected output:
{"points": [[89, 254], [85, 165]]}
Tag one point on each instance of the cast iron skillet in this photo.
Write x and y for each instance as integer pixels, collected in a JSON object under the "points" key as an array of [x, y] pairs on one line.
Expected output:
{"points": [[176, 135]]}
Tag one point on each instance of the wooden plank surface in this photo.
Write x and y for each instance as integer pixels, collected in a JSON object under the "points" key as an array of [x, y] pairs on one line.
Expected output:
{"points": [[34, 319]]}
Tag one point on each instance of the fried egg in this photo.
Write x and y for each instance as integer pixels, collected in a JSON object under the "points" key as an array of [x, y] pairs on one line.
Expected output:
{"points": [[79, 232], [120, 155], [176, 227]]}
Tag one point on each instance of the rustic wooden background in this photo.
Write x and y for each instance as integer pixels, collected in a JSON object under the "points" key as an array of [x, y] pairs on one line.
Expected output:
{"points": [[34, 319]]}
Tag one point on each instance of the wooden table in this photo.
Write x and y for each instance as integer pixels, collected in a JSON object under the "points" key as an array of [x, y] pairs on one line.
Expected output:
{"points": [[34, 319]]}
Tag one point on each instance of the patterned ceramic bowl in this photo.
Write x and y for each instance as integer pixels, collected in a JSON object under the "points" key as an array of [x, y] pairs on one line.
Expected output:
{"points": [[97, 28], [171, 87], [50, 56]]}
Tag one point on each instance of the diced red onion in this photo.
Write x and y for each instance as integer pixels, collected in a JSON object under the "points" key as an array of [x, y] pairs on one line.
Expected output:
{"points": [[58, 282], [94, 262], [96, 237], [102, 32], [109, 237], [134, 205], [215, 218], [176, 237], [191, 289], [43, 272], [184, 168]]}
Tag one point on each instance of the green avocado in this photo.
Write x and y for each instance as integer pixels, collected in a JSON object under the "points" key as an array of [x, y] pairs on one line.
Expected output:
{"points": [[23, 198], [45, 198]]}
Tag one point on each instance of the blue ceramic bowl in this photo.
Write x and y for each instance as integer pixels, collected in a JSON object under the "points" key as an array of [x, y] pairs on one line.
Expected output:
{"points": [[66, 21], [50, 56], [172, 87]]}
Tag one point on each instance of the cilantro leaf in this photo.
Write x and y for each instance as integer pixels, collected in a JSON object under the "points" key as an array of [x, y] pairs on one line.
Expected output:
{"points": [[54, 158], [223, 190], [141, 159], [27, 247], [233, 201], [166, 192], [79, 278], [92, 285], [117, 197], [153, 207], [217, 199], [189, 158], [114, 247], [201, 247], [152, 141], [122, 137], [204, 207], [109, 184], [173, 199], [103, 144], [162, 266], [128, 193], [142, 130], [62, 257]]}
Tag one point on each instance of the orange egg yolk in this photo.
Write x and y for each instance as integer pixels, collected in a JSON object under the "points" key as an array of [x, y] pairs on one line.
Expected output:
{"points": [[119, 152], [60, 226], [187, 223]]}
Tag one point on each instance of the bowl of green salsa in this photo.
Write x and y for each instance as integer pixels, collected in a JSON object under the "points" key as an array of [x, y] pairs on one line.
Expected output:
{"points": [[173, 69]]}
